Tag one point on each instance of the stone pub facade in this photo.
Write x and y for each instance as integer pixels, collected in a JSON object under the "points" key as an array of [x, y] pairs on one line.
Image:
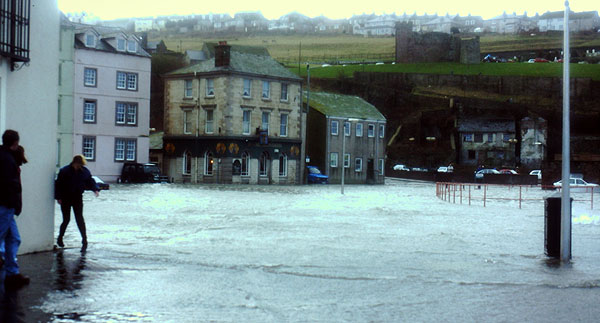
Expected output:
{"points": [[235, 118]]}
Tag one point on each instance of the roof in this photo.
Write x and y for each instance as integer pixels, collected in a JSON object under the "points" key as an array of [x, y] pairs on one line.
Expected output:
{"points": [[196, 55], [105, 33], [572, 15], [486, 125], [258, 65], [345, 106], [156, 140]]}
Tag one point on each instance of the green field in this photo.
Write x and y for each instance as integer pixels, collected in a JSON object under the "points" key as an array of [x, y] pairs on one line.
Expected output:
{"points": [[500, 69]]}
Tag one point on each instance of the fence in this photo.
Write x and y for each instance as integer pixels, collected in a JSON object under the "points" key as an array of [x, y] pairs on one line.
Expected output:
{"points": [[468, 193]]}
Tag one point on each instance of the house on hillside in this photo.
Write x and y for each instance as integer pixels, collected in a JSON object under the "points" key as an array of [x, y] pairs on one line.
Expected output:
{"points": [[487, 141], [509, 23], [578, 21], [110, 106], [345, 133], [534, 133], [29, 77], [234, 118]]}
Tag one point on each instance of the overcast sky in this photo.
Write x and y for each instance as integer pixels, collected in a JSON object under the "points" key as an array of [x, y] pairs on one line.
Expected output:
{"points": [[271, 9]]}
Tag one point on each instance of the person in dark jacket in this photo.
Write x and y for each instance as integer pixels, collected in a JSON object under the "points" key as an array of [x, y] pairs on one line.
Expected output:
{"points": [[10, 200], [72, 181]]}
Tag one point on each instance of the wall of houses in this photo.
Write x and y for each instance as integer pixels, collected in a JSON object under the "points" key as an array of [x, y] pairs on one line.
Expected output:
{"points": [[65, 96], [28, 104], [489, 149], [228, 140], [534, 132]]}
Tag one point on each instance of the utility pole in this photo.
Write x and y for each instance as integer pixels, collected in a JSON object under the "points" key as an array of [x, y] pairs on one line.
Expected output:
{"points": [[565, 215]]}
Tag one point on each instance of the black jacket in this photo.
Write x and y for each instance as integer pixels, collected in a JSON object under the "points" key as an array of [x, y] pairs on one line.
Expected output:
{"points": [[71, 183], [10, 184]]}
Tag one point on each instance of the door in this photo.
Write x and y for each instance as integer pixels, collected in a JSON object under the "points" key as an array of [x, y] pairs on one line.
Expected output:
{"points": [[370, 171]]}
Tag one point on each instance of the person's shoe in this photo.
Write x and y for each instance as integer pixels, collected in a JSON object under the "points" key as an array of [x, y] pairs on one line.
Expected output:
{"points": [[14, 282], [84, 245], [59, 242]]}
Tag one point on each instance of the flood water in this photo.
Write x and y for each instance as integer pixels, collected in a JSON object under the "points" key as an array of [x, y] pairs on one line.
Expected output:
{"points": [[391, 253]]}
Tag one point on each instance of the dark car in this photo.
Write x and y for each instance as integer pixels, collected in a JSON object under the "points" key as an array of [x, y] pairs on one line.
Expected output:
{"points": [[315, 176], [100, 183], [141, 173]]}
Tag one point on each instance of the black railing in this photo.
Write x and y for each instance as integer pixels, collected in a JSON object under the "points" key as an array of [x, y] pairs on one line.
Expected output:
{"points": [[14, 29]]}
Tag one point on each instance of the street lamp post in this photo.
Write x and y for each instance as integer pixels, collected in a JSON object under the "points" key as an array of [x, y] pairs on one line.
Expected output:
{"points": [[565, 215]]}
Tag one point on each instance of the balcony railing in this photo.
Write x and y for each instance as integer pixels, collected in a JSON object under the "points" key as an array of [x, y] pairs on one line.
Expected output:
{"points": [[14, 29]]}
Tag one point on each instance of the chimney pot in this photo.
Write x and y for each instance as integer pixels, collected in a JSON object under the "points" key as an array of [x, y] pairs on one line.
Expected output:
{"points": [[222, 54]]}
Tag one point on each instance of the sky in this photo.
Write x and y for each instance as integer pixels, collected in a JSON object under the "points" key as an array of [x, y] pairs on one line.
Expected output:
{"points": [[271, 9]]}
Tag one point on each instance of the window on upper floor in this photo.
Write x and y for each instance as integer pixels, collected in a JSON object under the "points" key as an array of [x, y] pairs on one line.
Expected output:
{"points": [[89, 111], [126, 114], [209, 123], [265, 121], [347, 129], [284, 92], [283, 125], [131, 46], [246, 122], [89, 77], [14, 33], [187, 121], [359, 129], [210, 87], [371, 131], [121, 44], [127, 81], [188, 89], [266, 90], [89, 148], [90, 40], [334, 127], [381, 131], [247, 92]]}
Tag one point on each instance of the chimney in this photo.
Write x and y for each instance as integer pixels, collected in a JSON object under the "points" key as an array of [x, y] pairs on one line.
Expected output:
{"points": [[222, 54]]}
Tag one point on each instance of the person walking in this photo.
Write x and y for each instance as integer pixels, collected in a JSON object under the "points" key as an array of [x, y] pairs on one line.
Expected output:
{"points": [[10, 201], [72, 181]]}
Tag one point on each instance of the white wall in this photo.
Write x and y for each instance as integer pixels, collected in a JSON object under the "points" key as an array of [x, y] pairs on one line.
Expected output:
{"points": [[28, 104]]}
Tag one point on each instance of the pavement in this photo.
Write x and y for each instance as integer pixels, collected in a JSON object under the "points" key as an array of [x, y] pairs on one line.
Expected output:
{"points": [[44, 269]]}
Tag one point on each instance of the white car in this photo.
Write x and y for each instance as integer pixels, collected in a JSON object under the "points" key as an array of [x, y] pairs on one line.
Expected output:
{"points": [[445, 169], [536, 172], [401, 167], [578, 185]]}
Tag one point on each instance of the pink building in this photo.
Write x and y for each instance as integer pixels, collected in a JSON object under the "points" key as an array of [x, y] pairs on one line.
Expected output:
{"points": [[111, 99]]}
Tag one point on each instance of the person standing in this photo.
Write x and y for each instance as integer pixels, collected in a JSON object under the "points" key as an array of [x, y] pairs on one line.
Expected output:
{"points": [[72, 181], [10, 201]]}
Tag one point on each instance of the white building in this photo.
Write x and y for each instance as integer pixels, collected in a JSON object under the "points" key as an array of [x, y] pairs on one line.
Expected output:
{"points": [[28, 104]]}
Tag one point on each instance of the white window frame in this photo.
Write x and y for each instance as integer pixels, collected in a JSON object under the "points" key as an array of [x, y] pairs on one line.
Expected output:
{"points": [[188, 91], [123, 114], [263, 165], [90, 79], [266, 90], [131, 116], [132, 80], [359, 133], [333, 160], [283, 125], [284, 93], [120, 149], [121, 44], [87, 144], [210, 88], [334, 129], [283, 165], [245, 161], [371, 130], [265, 125], [129, 46], [381, 131], [209, 125], [381, 166], [88, 37], [358, 163], [129, 150], [121, 80], [346, 160], [92, 104], [125, 149], [246, 124], [247, 90], [347, 129], [187, 121]]}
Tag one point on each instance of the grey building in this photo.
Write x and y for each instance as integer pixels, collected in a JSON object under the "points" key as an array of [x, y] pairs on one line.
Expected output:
{"points": [[487, 141], [345, 133]]}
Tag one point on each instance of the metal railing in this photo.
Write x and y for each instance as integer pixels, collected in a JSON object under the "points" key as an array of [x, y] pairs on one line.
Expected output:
{"points": [[468, 193]]}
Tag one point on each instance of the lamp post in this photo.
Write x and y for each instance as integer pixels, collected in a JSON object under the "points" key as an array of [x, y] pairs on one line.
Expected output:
{"points": [[565, 214]]}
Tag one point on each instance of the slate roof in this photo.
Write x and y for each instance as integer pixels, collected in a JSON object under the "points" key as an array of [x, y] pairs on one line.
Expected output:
{"points": [[257, 65], [486, 125], [344, 106], [105, 33], [572, 15], [196, 55]]}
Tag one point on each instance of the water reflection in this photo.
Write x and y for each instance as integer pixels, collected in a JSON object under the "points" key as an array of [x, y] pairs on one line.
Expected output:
{"points": [[11, 309], [69, 276]]}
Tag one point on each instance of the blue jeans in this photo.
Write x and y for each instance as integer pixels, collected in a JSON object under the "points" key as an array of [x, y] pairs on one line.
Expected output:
{"points": [[9, 240]]}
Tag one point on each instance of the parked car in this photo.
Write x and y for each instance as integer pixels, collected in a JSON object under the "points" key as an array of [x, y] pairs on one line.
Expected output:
{"points": [[482, 172], [541, 60], [141, 173], [100, 183], [508, 171], [315, 176], [536, 172], [532, 60], [445, 169], [418, 169], [578, 185], [401, 167]]}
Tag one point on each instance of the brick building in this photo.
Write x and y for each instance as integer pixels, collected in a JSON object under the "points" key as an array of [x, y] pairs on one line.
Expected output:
{"points": [[234, 118]]}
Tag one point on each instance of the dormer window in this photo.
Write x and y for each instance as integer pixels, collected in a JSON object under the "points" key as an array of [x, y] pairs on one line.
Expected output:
{"points": [[121, 44], [90, 40], [131, 46]]}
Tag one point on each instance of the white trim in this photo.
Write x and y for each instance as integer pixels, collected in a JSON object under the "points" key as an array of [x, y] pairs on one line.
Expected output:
{"points": [[358, 169], [337, 127]]}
